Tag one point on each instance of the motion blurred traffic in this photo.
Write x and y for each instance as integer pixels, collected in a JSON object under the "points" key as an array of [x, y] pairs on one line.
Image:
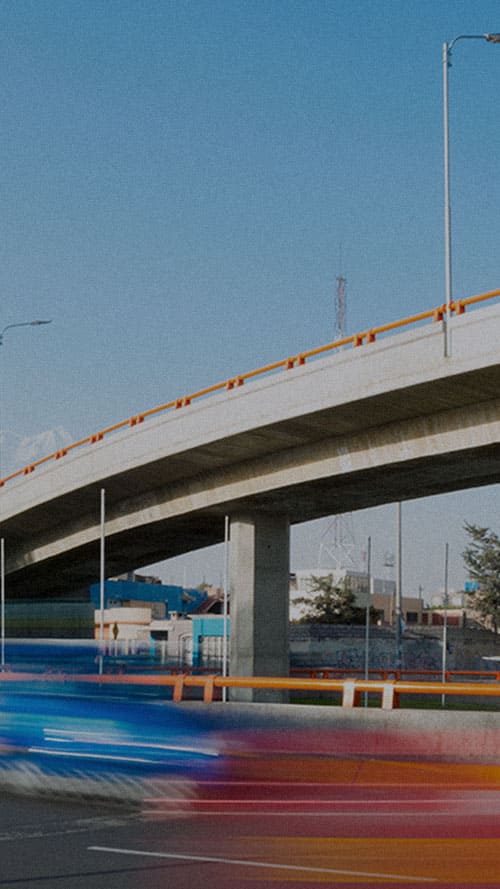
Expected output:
{"points": [[70, 738], [99, 746]]}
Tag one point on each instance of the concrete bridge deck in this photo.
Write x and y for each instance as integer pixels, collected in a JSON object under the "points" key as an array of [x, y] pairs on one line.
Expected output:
{"points": [[389, 421]]}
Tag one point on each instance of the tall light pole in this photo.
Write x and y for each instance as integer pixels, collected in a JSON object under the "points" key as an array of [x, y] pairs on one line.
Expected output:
{"points": [[368, 613], [447, 50], [225, 634], [2, 542], [22, 324], [398, 616], [445, 620]]}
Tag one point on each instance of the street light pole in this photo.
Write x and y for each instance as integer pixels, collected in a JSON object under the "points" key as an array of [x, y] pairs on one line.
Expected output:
{"points": [[447, 50], [445, 621], [102, 577], [2, 603], [368, 614], [398, 616], [225, 634], [22, 324], [2, 541]]}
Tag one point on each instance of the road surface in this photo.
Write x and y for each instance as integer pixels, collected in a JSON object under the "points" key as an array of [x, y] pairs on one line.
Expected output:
{"points": [[255, 834]]}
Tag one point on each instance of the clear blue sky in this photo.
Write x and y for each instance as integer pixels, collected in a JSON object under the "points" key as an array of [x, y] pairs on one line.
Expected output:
{"points": [[177, 179]]}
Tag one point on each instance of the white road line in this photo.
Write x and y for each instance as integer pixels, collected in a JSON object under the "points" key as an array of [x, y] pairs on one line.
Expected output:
{"points": [[322, 802], [263, 864], [334, 803], [209, 813], [84, 825]]}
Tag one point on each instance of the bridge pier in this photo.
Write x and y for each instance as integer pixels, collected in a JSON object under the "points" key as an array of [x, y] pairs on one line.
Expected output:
{"points": [[259, 585]]}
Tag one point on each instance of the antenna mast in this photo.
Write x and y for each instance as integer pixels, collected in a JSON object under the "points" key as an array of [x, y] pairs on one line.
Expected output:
{"points": [[338, 539], [340, 307], [340, 304]]}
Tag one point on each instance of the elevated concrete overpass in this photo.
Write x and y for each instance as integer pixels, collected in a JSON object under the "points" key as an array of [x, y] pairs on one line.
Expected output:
{"points": [[388, 421]]}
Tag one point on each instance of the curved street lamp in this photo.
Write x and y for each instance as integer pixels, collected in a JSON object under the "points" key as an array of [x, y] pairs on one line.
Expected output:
{"points": [[2, 542], [22, 324], [447, 50]]}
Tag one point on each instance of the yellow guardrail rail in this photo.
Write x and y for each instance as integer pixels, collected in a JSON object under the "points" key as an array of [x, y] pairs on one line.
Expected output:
{"points": [[457, 307]]}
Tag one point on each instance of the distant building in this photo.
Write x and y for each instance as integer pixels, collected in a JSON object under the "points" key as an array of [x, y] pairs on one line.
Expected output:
{"points": [[186, 625], [124, 624], [456, 599], [164, 600], [435, 617], [382, 597]]}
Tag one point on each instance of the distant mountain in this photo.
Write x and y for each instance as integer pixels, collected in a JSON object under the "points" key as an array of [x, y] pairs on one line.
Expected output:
{"points": [[17, 451]]}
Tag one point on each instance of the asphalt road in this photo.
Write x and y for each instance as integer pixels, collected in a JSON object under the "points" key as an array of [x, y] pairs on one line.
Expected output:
{"points": [[253, 834]]}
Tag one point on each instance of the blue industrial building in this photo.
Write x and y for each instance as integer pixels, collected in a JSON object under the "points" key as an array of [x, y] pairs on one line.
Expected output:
{"points": [[172, 600]]}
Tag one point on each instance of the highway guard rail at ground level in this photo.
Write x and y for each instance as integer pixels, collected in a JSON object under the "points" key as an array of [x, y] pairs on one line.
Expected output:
{"points": [[352, 690], [389, 673]]}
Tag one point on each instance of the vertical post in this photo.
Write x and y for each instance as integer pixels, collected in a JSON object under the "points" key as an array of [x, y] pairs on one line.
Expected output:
{"points": [[447, 204], [399, 587], [260, 601], [445, 621], [447, 49], [2, 605], [226, 603], [101, 578], [367, 621]]}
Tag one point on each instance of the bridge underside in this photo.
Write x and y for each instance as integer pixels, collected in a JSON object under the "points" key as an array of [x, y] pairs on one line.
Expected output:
{"points": [[70, 572]]}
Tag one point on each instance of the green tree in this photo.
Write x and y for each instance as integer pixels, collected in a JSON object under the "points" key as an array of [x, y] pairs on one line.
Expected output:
{"points": [[332, 604], [482, 560]]}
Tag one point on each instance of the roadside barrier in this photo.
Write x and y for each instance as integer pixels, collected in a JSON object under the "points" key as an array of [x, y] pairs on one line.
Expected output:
{"points": [[351, 689], [457, 307], [339, 672]]}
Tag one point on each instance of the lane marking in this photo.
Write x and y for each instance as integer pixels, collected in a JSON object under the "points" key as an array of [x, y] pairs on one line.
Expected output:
{"points": [[366, 787], [81, 825], [330, 802], [334, 803], [262, 864], [192, 812]]}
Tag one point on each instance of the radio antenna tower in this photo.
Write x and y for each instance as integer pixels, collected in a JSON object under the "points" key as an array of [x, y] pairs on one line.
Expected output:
{"points": [[338, 543], [338, 539], [340, 303]]}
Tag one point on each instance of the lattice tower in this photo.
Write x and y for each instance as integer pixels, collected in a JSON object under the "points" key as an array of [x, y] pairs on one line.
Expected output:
{"points": [[340, 307]]}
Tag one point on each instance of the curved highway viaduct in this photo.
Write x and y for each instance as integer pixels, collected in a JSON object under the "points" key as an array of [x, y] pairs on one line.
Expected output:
{"points": [[388, 421]]}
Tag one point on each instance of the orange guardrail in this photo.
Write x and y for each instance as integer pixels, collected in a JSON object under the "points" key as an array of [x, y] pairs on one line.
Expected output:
{"points": [[457, 307], [388, 673], [351, 689]]}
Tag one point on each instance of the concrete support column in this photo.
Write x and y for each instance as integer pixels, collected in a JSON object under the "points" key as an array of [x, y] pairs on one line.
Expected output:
{"points": [[259, 585]]}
